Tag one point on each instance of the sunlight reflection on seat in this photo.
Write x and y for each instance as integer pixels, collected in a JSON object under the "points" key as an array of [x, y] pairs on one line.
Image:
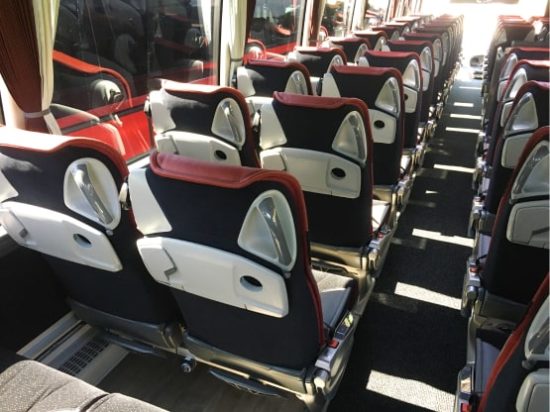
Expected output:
{"points": [[437, 236], [426, 295], [410, 391]]}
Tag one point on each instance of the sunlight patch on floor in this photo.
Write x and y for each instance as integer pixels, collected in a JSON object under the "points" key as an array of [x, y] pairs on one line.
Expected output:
{"points": [[410, 391], [470, 87], [437, 236], [462, 130], [452, 168], [465, 116], [426, 295], [462, 104]]}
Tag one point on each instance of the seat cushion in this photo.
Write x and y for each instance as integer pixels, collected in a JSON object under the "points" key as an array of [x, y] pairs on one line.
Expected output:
{"points": [[380, 213], [335, 292], [32, 386]]}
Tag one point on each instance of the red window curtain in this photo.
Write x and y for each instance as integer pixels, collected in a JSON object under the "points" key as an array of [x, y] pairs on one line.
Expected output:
{"points": [[19, 65]]}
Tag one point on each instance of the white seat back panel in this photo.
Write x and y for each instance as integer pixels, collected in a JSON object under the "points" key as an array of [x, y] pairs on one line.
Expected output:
{"points": [[316, 171], [383, 126], [198, 146], [215, 274], [512, 149], [58, 235]]}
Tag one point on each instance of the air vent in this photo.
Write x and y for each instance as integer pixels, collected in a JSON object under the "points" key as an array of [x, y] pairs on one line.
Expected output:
{"points": [[81, 359]]}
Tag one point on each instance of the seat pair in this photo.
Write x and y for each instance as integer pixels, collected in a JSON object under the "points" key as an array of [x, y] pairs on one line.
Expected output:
{"points": [[494, 296], [325, 143], [240, 276]]}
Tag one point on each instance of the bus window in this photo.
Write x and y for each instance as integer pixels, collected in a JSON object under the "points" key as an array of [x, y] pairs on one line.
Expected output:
{"points": [[108, 51], [376, 12], [275, 24]]}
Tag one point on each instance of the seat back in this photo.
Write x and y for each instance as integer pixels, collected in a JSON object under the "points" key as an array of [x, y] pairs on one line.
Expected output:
{"points": [[530, 112], [204, 122], [354, 47], [241, 278], [521, 229], [519, 376], [377, 39], [381, 89], [318, 60], [260, 78], [332, 161], [429, 66], [408, 64], [60, 197], [437, 50]]}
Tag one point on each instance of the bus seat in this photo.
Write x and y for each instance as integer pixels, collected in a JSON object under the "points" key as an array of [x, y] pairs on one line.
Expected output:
{"points": [[318, 61], [381, 89], [353, 47], [205, 122], [242, 278], [427, 52], [519, 239], [60, 197], [408, 63], [258, 79], [377, 39], [332, 162]]}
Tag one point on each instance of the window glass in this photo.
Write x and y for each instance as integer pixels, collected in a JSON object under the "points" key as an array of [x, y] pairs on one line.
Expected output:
{"points": [[108, 53], [336, 17], [275, 24], [376, 12]]}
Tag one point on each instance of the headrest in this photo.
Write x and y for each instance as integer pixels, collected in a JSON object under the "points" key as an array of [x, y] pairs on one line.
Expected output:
{"points": [[351, 137], [20, 139], [221, 111]]}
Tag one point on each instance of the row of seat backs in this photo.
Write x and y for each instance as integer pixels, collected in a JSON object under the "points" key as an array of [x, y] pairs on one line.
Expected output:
{"points": [[518, 379], [326, 143], [511, 30], [233, 273], [524, 71], [520, 233], [529, 113], [498, 83]]}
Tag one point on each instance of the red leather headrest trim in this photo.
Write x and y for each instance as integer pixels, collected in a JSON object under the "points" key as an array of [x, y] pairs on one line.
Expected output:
{"points": [[368, 33], [537, 64], [368, 71], [318, 102], [528, 49], [88, 68], [416, 43], [393, 54], [351, 40], [46, 143], [322, 50], [277, 63]]}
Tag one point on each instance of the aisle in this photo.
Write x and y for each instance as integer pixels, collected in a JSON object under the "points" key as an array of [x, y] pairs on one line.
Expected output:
{"points": [[411, 341]]}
